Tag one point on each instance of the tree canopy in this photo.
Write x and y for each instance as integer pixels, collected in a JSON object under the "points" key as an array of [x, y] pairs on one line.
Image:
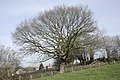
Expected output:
{"points": [[54, 32]]}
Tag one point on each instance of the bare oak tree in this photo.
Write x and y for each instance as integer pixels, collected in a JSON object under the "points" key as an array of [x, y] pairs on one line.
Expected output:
{"points": [[54, 32]]}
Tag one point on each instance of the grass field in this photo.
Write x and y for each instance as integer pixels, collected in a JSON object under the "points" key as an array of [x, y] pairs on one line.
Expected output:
{"points": [[107, 72]]}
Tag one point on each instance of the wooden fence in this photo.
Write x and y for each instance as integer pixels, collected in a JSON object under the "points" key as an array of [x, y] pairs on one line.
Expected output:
{"points": [[44, 73]]}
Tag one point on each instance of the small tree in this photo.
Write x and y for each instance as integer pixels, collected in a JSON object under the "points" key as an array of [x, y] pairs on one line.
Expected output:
{"points": [[116, 48], [107, 45], [41, 67], [54, 32], [8, 61]]}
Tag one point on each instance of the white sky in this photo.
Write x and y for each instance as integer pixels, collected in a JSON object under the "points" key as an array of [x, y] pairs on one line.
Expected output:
{"points": [[12, 12]]}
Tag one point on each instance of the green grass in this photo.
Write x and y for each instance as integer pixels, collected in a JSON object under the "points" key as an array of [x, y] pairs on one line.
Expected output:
{"points": [[107, 72]]}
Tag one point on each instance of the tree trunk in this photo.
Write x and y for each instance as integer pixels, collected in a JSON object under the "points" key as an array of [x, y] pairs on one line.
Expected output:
{"points": [[108, 56], [62, 67], [91, 59]]}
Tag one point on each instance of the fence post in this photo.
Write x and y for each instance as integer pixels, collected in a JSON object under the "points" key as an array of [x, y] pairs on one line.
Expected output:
{"points": [[31, 77], [52, 73], [99, 64], [72, 68], [20, 78], [81, 67], [41, 75]]}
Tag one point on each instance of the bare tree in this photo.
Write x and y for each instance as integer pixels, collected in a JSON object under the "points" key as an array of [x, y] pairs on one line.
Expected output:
{"points": [[117, 41], [116, 48], [8, 61], [54, 32], [106, 42], [87, 43]]}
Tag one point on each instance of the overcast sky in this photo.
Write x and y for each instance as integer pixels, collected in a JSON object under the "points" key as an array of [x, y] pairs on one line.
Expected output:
{"points": [[12, 12]]}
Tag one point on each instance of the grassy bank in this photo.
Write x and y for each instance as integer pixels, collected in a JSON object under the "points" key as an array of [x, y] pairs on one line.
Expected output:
{"points": [[107, 72]]}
